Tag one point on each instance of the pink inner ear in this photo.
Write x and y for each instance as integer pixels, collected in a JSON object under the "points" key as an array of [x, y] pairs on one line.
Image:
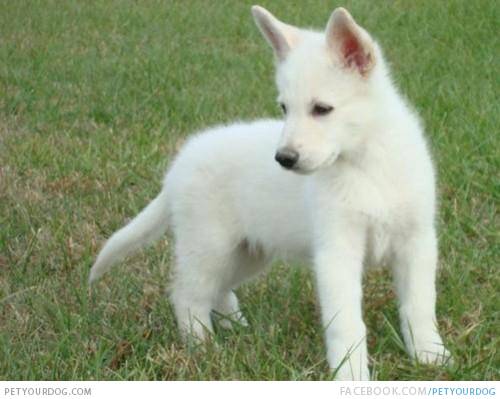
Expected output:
{"points": [[280, 46], [353, 53]]}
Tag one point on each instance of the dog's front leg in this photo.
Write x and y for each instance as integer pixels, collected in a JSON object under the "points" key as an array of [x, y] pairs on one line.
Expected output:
{"points": [[414, 276], [338, 266]]}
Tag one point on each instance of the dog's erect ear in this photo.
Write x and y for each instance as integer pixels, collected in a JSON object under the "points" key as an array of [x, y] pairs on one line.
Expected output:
{"points": [[281, 37], [349, 42]]}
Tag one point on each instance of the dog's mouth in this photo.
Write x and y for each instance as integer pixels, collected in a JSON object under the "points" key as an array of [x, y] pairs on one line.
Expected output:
{"points": [[307, 166], [302, 171], [331, 159], [309, 170]]}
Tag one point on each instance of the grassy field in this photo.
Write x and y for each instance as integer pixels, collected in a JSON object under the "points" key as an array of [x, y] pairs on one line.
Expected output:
{"points": [[95, 99]]}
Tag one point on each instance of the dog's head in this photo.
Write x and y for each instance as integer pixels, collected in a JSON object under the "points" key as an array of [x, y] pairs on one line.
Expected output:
{"points": [[324, 82]]}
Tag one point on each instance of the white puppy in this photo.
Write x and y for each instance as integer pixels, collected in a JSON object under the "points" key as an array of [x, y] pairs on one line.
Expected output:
{"points": [[344, 181]]}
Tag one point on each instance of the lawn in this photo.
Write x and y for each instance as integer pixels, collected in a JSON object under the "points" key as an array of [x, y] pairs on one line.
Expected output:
{"points": [[95, 99]]}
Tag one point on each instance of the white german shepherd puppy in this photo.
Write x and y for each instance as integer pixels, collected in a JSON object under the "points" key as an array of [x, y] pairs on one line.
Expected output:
{"points": [[344, 181]]}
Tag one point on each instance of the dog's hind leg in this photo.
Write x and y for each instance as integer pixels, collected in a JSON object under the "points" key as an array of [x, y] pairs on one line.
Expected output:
{"points": [[194, 293], [192, 304], [198, 277], [245, 265], [202, 282], [192, 296]]}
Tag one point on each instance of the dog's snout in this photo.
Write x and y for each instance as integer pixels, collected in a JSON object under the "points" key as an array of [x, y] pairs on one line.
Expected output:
{"points": [[287, 157]]}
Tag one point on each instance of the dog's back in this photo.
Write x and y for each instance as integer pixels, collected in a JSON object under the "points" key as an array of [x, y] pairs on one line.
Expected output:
{"points": [[226, 178]]}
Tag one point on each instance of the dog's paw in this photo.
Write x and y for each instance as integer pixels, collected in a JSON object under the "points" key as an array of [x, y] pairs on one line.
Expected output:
{"points": [[242, 321], [434, 354], [425, 346], [348, 373], [352, 366], [228, 321]]}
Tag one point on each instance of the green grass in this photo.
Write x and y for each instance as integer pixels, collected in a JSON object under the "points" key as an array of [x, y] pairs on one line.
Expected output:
{"points": [[95, 98]]}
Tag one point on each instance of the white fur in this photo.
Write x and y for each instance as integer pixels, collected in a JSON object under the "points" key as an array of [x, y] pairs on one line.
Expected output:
{"points": [[362, 193]]}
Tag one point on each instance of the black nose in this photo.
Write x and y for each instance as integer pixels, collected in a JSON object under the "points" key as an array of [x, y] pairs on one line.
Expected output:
{"points": [[287, 157]]}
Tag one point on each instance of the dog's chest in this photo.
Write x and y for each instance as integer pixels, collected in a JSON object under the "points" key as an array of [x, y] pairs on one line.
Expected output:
{"points": [[374, 202]]}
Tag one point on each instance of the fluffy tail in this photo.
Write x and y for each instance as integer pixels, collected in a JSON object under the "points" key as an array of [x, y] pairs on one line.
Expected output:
{"points": [[146, 227]]}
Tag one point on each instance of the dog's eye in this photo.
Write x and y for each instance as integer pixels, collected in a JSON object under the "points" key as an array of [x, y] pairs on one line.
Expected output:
{"points": [[283, 108], [320, 110]]}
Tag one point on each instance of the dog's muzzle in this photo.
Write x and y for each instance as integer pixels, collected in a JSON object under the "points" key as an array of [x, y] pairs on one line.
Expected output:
{"points": [[287, 157]]}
